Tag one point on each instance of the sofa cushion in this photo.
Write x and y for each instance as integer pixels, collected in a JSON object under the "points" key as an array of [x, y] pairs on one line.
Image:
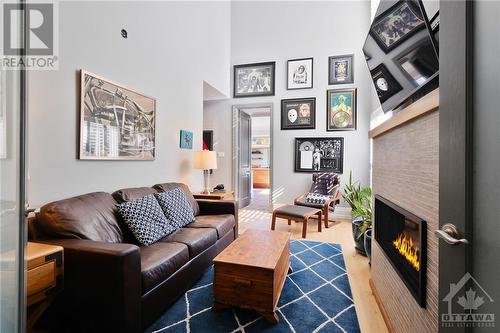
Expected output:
{"points": [[196, 239], [145, 219], [159, 261], [131, 193], [172, 186], [89, 216], [223, 223], [176, 207]]}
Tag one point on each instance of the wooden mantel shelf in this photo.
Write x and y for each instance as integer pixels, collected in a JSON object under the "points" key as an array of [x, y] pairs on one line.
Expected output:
{"points": [[426, 104]]}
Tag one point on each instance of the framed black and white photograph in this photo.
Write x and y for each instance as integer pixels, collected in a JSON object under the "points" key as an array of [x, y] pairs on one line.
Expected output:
{"points": [[341, 112], [319, 155], [116, 123], [252, 80], [299, 113], [396, 25], [341, 69], [385, 84], [300, 74]]}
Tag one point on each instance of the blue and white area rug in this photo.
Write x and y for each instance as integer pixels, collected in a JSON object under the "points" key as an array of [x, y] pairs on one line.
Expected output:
{"points": [[316, 297]]}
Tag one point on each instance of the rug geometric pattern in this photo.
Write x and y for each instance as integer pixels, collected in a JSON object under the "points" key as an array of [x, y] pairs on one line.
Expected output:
{"points": [[316, 297]]}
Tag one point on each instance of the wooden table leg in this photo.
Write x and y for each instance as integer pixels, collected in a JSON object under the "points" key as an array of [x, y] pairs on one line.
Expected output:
{"points": [[273, 223], [319, 221], [289, 222], [304, 228], [271, 317], [219, 306], [327, 209]]}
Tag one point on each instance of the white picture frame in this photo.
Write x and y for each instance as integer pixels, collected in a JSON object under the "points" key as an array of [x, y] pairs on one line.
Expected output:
{"points": [[300, 73]]}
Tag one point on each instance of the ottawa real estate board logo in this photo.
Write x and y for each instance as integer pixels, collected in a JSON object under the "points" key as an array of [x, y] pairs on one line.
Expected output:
{"points": [[467, 302], [30, 35]]}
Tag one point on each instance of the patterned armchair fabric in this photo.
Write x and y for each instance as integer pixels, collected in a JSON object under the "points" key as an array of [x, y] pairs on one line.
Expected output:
{"points": [[324, 183]]}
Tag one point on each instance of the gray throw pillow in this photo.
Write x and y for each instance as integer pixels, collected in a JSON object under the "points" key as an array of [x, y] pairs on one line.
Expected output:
{"points": [[176, 207], [145, 219]]}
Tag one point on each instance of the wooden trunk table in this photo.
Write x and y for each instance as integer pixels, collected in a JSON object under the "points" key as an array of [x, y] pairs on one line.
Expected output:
{"points": [[250, 273]]}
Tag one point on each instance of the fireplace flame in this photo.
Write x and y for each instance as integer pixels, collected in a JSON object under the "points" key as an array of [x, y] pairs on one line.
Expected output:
{"points": [[405, 246]]}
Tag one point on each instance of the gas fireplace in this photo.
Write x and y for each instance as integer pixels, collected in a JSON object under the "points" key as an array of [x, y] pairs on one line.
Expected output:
{"points": [[403, 238]]}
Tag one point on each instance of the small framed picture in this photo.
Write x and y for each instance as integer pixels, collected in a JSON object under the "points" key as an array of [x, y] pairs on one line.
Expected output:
{"points": [[341, 110], [385, 84], [300, 74], [252, 80], [397, 24], [341, 69], [319, 154], [298, 113], [186, 140]]}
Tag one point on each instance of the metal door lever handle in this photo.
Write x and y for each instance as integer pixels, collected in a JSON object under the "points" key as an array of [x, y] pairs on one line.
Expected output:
{"points": [[450, 234]]}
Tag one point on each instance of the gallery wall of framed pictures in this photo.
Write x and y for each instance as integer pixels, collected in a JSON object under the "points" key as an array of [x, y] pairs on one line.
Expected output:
{"points": [[300, 113]]}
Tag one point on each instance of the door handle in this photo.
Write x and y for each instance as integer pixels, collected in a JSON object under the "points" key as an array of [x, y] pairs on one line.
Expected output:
{"points": [[450, 234]]}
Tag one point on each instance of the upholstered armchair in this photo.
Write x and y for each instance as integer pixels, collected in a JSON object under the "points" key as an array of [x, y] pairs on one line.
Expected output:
{"points": [[324, 193]]}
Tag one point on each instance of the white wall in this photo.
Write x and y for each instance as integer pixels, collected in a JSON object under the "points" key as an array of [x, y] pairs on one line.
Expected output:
{"points": [[172, 47], [278, 31]]}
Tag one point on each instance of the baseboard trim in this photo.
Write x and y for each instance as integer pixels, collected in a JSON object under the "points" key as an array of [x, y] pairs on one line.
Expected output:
{"points": [[381, 306]]}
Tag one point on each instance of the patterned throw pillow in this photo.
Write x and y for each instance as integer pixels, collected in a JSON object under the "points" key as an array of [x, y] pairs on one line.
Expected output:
{"points": [[176, 207], [145, 219]]}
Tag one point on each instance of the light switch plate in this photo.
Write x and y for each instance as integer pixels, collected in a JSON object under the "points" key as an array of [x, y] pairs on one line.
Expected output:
{"points": [[221, 154]]}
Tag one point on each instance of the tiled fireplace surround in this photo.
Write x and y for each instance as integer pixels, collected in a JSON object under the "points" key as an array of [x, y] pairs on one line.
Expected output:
{"points": [[405, 171]]}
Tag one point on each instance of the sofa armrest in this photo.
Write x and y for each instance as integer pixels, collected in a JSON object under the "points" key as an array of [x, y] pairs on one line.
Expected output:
{"points": [[216, 207], [102, 281]]}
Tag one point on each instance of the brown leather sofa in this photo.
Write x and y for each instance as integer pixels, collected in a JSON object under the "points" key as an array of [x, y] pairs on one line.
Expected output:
{"points": [[110, 283]]}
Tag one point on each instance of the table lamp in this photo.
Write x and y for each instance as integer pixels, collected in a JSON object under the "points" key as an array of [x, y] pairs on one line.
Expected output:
{"points": [[205, 160]]}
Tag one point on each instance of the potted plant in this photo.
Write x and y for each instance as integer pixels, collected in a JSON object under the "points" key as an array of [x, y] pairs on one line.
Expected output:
{"points": [[360, 200]]}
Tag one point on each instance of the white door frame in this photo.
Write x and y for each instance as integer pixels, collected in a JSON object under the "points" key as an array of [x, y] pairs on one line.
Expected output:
{"points": [[236, 144]]}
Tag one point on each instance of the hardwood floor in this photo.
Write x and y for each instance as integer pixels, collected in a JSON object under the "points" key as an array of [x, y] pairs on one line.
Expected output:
{"points": [[370, 319]]}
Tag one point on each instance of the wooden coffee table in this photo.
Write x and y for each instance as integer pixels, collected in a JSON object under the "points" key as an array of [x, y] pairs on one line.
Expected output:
{"points": [[250, 273]]}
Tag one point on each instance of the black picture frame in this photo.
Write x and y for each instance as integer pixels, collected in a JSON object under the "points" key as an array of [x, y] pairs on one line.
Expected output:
{"points": [[266, 68], [378, 25], [331, 157], [310, 78], [287, 105], [337, 65], [393, 86], [331, 114]]}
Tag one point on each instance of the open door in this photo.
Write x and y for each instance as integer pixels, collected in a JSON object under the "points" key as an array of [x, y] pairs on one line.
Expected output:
{"points": [[469, 265], [244, 159]]}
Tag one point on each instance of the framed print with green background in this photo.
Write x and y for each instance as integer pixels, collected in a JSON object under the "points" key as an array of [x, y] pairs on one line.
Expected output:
{"points": [[186, 140], [341, 110], [300, 74], [253, 80], [341, 69], [299, 113]]}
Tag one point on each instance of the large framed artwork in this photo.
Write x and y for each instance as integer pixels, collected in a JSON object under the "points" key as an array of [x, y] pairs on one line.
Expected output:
{"points": [[341, 69], [116, 123], [396, 25], [252, 80], [300, 74], [341, 113], [319, 155], [298, 113], [385, 84]]}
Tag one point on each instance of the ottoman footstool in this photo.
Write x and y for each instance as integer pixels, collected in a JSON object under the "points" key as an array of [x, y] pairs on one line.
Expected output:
{"points": [[297, 213]]}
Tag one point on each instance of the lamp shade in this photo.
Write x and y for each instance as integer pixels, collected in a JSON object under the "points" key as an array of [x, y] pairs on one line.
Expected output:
{"points": [[205, 160]]}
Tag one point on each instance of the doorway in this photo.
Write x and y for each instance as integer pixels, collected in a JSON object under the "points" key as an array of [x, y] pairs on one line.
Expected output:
{"points": [[252, 151]]}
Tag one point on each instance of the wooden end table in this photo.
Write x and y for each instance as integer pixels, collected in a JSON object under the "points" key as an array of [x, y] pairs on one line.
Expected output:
{"points": [[251, 271], [44, 278], [228, 195]]}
